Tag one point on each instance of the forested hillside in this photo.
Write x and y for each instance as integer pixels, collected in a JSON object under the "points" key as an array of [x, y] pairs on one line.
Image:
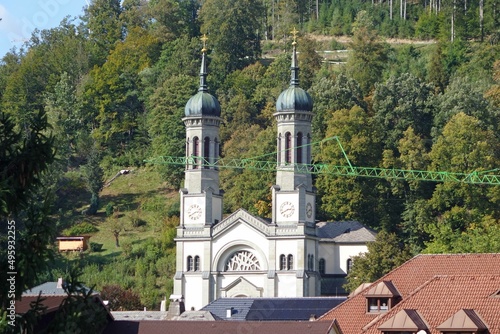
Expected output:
{"points": [[91, 97]]}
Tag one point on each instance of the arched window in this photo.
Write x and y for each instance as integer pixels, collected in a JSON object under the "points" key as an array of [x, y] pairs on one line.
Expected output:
{"points": [[206, 151], [189, 263], [349, 265], [282, 262], [310, 262], [279, 148], [289, 265], [242, 261], [196, 263], [288, 148], [321, 266], [216, 151], [299, 148], [196, 151]]}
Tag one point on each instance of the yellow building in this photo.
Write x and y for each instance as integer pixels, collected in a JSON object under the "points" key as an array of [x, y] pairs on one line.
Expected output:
{"points": [[79, 243]]}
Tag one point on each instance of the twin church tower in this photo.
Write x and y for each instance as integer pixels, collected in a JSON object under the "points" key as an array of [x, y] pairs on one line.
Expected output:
{"points": [[242, 255]]}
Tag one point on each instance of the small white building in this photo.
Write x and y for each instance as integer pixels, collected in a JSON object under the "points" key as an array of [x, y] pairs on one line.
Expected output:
{"points": [[243, 255]]}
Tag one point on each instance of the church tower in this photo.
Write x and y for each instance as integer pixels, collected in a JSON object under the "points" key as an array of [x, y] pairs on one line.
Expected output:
{"points": [[201, 198], [293, 194]]}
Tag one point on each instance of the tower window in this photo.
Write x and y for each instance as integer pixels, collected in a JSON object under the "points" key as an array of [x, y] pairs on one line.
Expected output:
{"points": [[299, 148], [289, 265], [196, 151], [310, 262], [282, 262], [190, 263], [349, 265], [288, 148], [321, 266], [206, 151], [196, 263]]}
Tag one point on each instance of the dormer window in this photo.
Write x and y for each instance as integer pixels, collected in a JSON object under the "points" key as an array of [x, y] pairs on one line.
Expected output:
{"points": [[465, 321], [382, 297]]}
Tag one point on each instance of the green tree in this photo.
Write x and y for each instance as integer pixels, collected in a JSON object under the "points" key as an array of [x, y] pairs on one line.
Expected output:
{"points": [[402, 102], [94, 178], [368, 55], [350, 198], [102, 18], [330, 95], [165, 126], [234, 31], [383, 255], [309, 61]]}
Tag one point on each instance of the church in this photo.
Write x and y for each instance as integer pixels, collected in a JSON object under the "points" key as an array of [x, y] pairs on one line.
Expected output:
{"points": [[242, 255]]}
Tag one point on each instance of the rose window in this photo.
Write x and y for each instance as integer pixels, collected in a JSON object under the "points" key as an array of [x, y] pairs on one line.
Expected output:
{"points": [[242, 261]]}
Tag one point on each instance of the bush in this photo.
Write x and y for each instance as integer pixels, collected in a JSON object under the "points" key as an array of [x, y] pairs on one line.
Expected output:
{"points": [[121, 299], [110, 207], [80, 229], [95, 247]]}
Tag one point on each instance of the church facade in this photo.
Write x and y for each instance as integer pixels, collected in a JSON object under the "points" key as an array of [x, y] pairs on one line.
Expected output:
{"points": [[242, 255]]}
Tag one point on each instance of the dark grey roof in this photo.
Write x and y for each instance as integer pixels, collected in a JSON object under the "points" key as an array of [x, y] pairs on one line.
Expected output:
{"points": [[47, 289], [272, 309], [345, 232]]}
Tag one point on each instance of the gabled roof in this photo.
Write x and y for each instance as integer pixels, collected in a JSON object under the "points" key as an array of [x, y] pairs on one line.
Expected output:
{"points": [[404, 321], [270, 309], [383, 289], [344, 232], [241, 215], [218, 327], [463, 320], [451, 302], [352, 316]]}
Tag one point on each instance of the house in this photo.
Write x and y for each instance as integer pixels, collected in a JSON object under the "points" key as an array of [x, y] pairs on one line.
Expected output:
{"points": [[446, 293], [53, 295], [79, 243], [287, 255]]}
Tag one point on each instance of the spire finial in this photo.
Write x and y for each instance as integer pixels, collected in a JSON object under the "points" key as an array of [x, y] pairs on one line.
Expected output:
{"points": [[204, 39], [295, 69], [294, 33]]}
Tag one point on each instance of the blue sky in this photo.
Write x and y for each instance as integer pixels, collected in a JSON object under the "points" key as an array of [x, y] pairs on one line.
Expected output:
{"points": [[21, 17]]}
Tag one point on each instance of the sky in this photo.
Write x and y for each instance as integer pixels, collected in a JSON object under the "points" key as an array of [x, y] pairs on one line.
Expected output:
{"points": [[21, 17]]}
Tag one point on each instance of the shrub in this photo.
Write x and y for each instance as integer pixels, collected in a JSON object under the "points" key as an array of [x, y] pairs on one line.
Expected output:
{"points": [[81, 229], [95, 247], [121, 299]]}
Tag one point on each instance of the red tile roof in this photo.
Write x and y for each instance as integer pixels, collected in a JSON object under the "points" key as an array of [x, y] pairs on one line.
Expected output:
{"points": [[443, 296], [217, 327], [352, 316]]}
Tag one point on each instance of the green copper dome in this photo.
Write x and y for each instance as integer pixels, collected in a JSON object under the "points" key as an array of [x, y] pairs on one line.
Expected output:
{"points": [[202, 103], [294, 97]]}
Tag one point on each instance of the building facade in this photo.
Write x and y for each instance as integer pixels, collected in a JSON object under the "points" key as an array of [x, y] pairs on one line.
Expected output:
{"points": [[243, 255]]}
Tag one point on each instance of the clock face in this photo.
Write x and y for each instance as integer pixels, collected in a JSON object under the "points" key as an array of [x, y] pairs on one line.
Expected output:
{"points": [[287, 209], [194, 212], [309, 210]]}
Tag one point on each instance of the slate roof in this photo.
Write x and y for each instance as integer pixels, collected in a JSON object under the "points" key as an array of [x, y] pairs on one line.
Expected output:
{"points": [[344, 232], [218, 327], [352, 316], [48, 289], [272, 309]]}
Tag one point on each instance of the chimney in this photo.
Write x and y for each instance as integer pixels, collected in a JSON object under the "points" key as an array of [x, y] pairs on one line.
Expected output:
{"points": [[229, 312], [176, 306], [59, 283]]}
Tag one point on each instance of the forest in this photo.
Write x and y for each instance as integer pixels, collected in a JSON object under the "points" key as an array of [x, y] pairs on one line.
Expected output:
{"points": [[412, 85]]}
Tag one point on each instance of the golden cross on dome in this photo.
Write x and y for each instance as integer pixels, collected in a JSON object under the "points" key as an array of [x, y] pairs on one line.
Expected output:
{"points": [[204, 40], [294, 33]]}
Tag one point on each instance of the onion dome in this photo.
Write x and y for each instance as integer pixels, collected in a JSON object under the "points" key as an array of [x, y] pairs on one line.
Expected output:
{"points": [[294, 97], [202, 103]]}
